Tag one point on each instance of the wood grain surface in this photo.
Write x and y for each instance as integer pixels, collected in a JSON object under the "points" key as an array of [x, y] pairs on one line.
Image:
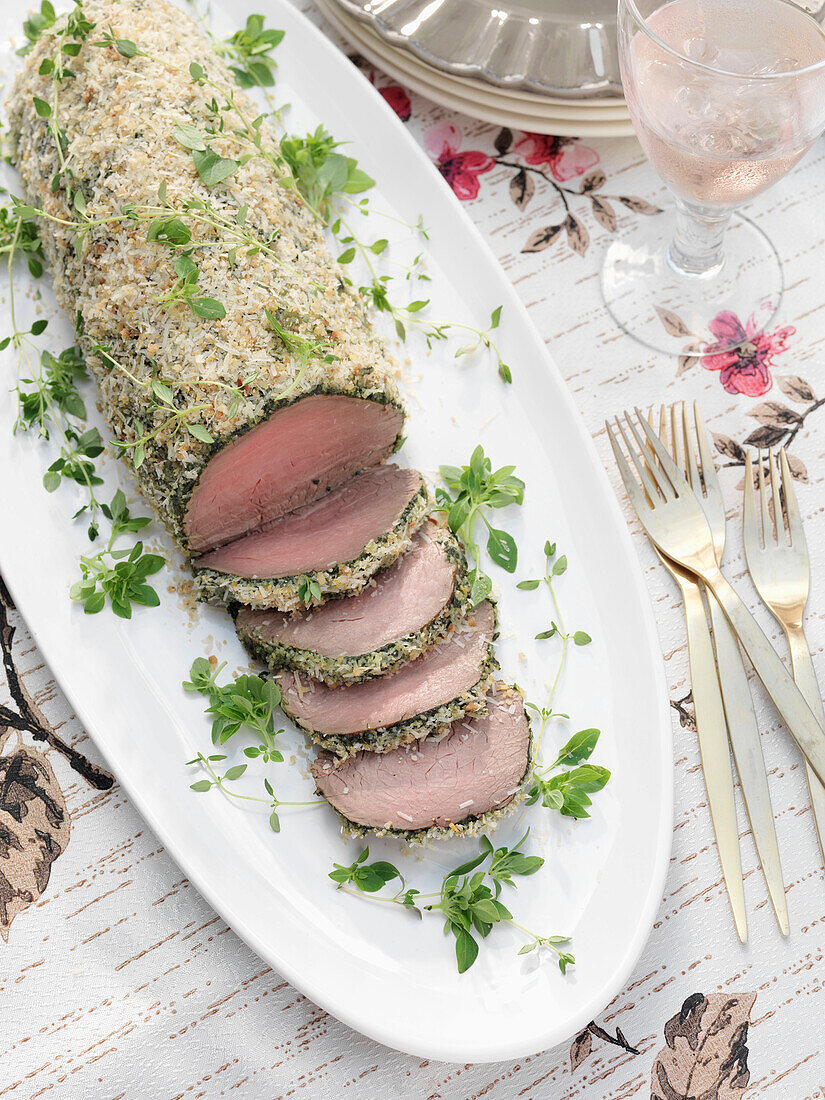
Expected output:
{"points": [[118, 980]]}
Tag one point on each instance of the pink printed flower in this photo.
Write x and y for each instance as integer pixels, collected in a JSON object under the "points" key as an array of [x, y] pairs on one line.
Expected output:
{"points": [[398, 100], [745, 369], [564, 156], [460, 170]]}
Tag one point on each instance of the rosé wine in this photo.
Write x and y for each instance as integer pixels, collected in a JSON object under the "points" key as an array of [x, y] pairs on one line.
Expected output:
{"points": [[714, 99]]}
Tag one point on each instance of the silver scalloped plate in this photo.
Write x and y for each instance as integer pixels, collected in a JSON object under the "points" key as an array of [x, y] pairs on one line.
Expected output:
{"points": [[564, 48]]}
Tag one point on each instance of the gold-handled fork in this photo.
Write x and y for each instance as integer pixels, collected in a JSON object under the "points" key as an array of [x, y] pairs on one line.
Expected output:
{"points": [[743, 730], [777, 555], [711, 731], [675, 522]]}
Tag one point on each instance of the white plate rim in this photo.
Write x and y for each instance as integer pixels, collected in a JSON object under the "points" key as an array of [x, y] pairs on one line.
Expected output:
{"points": [[407, 61], [545, 122], [382, 1031], [516, 36]]}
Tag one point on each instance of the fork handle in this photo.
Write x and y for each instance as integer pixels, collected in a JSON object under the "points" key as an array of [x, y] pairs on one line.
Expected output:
{"points": [[805, 676], [750, 763], [787, 698], [713, 748]]}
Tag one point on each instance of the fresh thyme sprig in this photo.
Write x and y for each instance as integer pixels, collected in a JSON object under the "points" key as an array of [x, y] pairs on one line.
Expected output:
{"points": [[468, 902], [471, 492], [369, 878], [247, 702], [36, 25], [324, 177], [185, 289], [249, 50], [69, 40], [321, 173], [272, 802], [119, 575], [19, 237], [49, 401], [569, 790]]}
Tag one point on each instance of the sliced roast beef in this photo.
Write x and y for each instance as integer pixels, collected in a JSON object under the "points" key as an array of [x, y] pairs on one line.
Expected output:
{"points": [[403, 612], [413, 702], [476, 770], [338, 542], [293, 458]]}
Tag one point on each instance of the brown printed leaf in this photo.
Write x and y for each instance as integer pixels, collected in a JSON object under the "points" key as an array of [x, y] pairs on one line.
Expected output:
{"points": [[604, 214], [618, 1040], [577, 236], [729, 447], [599, 1032], [687, 720], [593, 181], [765, 436], [580, 1048], [686, 362], [34, 831], [705, 1056], [774, 415], [504, 139], [798, 469], [795, 387], [522, 188], [620, 1035], [542, 238], [673, 323], [639, 206], [29, 718]]}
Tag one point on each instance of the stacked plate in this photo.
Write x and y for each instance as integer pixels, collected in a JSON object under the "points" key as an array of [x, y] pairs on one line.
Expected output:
{"points": [[533, 65]]}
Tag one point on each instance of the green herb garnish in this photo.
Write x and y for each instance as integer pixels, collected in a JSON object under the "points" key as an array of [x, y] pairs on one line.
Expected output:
{"points": [[320, 172], [249, 50], [19, 237], [468, 902], [567, 791], [185, 289], [245, 703], [119, 575], [35, 25], [472, 491]]}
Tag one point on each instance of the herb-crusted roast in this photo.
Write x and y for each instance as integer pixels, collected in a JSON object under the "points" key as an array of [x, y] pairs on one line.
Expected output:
{"points": [[334, 544], [461, 783], [402, 612], [259, 386], [418, 700]]}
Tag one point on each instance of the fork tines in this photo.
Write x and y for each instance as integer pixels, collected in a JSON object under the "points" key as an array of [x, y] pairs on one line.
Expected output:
{"points": [[661, 480], [786, 523]]}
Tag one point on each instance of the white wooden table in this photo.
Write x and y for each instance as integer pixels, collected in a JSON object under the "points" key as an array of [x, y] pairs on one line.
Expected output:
{"points": [[118, 980]]}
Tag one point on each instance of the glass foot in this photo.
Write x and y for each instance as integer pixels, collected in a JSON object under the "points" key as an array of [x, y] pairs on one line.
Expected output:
{"points": [[684, 315]]}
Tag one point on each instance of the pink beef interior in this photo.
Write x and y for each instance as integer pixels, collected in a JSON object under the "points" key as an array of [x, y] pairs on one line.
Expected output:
{"points": [[327, 532], [477, 767], [401, 600], [294, 457], [435, 678]]}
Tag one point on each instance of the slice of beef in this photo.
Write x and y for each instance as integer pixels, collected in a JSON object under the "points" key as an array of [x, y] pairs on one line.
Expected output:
{"points": [[403, 612], [293, 458], [338, 542], [464, 779], [382, 713]]}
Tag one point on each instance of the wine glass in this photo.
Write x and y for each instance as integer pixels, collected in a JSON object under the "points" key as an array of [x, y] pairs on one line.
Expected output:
{"points": [[725, 96]]}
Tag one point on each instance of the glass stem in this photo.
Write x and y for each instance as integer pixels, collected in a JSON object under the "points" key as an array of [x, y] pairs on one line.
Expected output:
{"points": [[697, 245]]}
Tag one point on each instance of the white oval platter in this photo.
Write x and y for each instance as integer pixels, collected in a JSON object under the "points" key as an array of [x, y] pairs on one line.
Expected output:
{"points": [[376, 968]]}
